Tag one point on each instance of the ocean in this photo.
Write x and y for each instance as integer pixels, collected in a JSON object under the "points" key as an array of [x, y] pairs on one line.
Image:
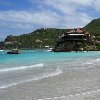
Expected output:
{"points": [[42, 75]]}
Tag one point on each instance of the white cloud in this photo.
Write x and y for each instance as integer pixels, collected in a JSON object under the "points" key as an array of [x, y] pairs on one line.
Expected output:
{"points": [[27, 20], [70, 16], [67, 6], [82, 2], [53, 13], [96, 5], [45, 18]]}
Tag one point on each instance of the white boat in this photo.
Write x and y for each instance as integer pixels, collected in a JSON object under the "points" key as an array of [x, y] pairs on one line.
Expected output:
{"points": [[49, 49], [1, 50]]}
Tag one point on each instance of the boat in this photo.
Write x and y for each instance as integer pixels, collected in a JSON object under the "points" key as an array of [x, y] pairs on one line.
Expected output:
{"points": [[13, 51], [49, 49], [1, 50]]}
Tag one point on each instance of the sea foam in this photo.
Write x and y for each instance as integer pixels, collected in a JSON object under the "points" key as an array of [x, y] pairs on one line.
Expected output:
{"points": [[21, 67], [78, 96], [42, 76], [94, 61]]}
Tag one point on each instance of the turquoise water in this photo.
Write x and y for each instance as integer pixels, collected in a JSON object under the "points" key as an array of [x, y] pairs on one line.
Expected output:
{"points": [[35, 56], [37, 64]]}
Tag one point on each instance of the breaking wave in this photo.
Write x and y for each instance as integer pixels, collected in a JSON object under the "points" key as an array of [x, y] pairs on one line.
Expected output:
{"points": [[44, 75], [21, 67], [92, 62]]}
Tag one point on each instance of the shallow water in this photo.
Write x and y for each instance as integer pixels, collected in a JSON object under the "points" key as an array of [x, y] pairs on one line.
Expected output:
{"points": [[43, 75]]}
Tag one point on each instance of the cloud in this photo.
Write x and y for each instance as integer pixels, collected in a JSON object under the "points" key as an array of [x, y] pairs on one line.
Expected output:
{"points": [[96, 5], [67, 6], [24, 17], [28, 20], [48, 13], [17, 22], [69, 11]]}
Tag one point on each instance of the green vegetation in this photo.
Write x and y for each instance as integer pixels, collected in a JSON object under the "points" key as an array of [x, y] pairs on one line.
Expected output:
{"points": [[37, 39], [93, 27], [46, 37]]}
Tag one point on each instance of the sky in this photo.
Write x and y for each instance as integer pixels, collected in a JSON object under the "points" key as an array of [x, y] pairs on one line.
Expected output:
{"points": [[24, 16]]}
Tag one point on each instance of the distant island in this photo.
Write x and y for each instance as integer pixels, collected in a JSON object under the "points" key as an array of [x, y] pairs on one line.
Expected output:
{"points": [[48, 37]]}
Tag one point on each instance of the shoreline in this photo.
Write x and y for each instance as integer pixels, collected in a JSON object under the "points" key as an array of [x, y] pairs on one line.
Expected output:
{"points": [[63, 76], [63, 86]]}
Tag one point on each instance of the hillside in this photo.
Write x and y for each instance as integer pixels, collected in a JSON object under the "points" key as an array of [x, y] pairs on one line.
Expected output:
{"points": [[93, 27], [36, 39], [46, 37]]}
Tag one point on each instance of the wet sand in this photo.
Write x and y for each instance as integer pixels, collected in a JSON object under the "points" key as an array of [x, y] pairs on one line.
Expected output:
{"points": [[72, 84]]}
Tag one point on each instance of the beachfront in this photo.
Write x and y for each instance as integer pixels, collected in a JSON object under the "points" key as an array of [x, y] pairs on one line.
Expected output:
{"points": [[57, 76]]}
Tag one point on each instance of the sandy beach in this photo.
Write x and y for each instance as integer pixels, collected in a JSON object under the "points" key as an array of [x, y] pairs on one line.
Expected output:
{"points": [[71, 84], [42, 75]]}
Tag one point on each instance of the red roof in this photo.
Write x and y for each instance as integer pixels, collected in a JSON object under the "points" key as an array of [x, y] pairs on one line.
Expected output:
{"points": [[77, 30]]}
